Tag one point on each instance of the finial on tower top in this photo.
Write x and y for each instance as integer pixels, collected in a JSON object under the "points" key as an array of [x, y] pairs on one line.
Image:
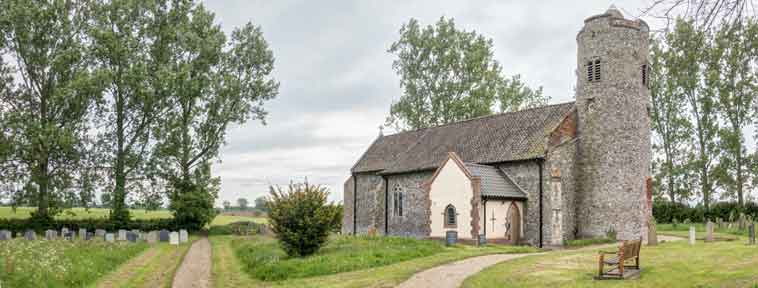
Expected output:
{"points": [[614, 11], [381, 130]]}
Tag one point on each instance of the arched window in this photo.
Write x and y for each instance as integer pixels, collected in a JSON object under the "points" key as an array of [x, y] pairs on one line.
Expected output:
{"points": [[451, 218], [397, 197]]}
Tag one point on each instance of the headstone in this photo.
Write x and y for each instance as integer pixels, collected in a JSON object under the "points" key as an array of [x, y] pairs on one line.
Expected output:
{"points": [[64, 231], [5, 235], [83, 233], [742, 222], [30, 235], [100, 233], [652, 233], [751, 233], [109, 237], [131, 236], [121, 235], [138, 233], [89, 236], [163, 235], [174, 238], [692, 235], [51, 234], [709, 231], [70, 235], [183, 236], [720, 222], [152, 237]]}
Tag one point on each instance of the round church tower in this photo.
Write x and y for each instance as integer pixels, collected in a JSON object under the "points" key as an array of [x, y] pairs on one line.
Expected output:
{"points": [[612, 101]]}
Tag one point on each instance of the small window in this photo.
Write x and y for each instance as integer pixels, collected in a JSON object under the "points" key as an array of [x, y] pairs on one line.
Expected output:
{"points": [[645, 75], [450, 216], [398, 200], [593, 70]]}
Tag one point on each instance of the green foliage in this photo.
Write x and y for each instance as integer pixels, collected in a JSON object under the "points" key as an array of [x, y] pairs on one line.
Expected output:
{"points": [[61, 263], [260, 204], [21, 225], [450, 75], [301, 218], [268, 261], [193, 199], [667, 212], [242, 203], [236, 228]]}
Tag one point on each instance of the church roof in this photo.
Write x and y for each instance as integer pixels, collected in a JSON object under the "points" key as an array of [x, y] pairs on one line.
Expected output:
{"points": [[497, 138], [495, 182]]}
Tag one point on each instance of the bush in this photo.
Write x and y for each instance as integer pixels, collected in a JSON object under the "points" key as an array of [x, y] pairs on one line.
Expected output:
{"points": [[301, 218], [21, 225], [667, 212], [236, 228], [192, 199]]}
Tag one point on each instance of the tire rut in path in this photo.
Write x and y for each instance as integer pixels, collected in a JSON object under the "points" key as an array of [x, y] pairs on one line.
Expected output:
{"points": [[195, 270]]}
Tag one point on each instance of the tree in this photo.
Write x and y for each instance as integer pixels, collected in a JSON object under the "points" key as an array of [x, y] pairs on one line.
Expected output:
{"points": [[212, 83], [242, 203], [688, 44], [128, 52], [731, 75], [260, 204], [227, 205], [44, 117], [448, 75], [670, 124], [301, 218], [704, 13]]}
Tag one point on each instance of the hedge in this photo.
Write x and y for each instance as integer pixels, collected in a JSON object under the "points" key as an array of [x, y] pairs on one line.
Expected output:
{"points": [[21, 225], [666, 212]]}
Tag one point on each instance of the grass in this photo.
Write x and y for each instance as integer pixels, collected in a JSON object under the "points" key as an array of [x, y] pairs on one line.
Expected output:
{"points": [[153, 268], [586, 242], [699, 228], [230, 271], [60, 263], [670, 264]]}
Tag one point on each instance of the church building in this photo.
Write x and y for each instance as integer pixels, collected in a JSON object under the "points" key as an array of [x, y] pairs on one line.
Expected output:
{"points": [[539, 176]]}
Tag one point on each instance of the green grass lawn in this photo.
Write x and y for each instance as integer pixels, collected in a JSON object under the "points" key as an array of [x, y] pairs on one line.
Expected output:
{"points": [[671, 264], [60, 263], [155, 267], [344, 262]]}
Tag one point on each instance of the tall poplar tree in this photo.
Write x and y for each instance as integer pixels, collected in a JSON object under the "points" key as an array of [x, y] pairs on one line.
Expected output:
{"points": [[44, 114]]}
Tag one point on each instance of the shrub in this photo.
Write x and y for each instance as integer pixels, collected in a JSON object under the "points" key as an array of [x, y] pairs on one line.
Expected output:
{"points": [[21, 225], [236, 228], [192, 199], [666, 212], [301, 218]]}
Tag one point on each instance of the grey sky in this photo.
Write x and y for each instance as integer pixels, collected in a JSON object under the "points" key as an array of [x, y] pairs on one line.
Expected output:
{"points": [[337, 82]]}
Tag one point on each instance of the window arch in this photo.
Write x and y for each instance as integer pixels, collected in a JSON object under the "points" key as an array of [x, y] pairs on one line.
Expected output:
{"points": [[451, 217], [397, 197]]}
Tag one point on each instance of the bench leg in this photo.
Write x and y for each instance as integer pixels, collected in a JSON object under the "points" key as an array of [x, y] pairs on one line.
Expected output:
{"points": [[600, 266]]}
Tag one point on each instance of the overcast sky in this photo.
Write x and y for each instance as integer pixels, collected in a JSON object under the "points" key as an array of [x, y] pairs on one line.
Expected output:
{"points": [[337, 82]]}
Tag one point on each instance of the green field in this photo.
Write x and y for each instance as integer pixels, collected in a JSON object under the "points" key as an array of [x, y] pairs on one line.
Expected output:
{"points": [[672, 264], [61, 263], [81, 213]]}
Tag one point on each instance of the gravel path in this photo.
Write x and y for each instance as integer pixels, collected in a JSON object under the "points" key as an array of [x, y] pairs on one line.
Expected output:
{"points": [[452, 275], [195, 270]]}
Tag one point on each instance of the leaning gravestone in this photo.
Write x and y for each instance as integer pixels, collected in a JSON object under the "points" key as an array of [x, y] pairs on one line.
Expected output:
{"points": [[652, 233], [692, 235], [100, 233], [131, 236], [121, 235], [51, 234], [83, 234], [183, 236], [709, 231], [5, 235], [109, 237], [163, 236], [152, 237], [174, 238], [30, 235]]}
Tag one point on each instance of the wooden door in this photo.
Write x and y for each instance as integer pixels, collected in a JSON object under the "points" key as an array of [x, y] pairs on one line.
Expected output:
{"points": [[514, 219]]}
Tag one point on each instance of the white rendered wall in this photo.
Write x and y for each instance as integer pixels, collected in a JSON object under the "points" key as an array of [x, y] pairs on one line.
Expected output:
{"points": [[451, 187]]}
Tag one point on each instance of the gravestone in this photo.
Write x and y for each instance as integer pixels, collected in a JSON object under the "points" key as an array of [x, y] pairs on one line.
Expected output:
{"points": [[5, 235], [82, 233], [751, 234], [652, 233], [742, 222], [89, 235], [138, 233], [131, 236], [163, 235], [692, 235], [121, 235], [109, 237], [70, 235], [709, 231], [183, 236], [64, 231], [720, 222], [30, 235], [174, 238], [152, 237], [100, 233], [51, 234]]}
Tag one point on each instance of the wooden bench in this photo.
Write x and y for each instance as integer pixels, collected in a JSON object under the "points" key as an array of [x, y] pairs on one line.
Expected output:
{"points": [[629, 250]]}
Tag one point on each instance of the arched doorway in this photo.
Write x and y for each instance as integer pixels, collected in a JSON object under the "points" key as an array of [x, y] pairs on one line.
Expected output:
{"points": [[513, 223]]}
